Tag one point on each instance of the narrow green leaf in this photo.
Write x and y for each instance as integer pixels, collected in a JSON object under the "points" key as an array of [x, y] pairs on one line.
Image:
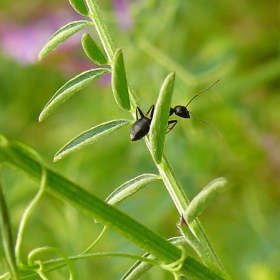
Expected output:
{"points": [[130, 187], [119, 82], [61, 35], [6, 234], [110, 216], [71, 87], [79, 6], [92, 50], [160, 119], [90, 136], [202, 200]]}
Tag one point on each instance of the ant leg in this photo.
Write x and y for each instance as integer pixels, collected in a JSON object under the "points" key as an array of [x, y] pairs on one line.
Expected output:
{"points": [[171, 125], [151, 110], [138, 111]]}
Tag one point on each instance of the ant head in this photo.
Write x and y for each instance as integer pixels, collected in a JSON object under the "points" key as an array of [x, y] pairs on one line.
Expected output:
{"points": [[181, 111]]}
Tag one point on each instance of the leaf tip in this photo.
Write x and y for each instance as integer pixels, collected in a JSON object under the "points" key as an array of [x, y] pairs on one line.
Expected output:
{"points": [[57, 158], [41, 117], [220, 181], [41, 54]]}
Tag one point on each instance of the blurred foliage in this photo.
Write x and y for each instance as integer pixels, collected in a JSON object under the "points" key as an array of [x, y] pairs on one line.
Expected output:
{"points": [[236, 41]]}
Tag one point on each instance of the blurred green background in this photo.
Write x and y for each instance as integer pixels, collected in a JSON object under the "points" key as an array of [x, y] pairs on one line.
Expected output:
{"points": [[236, 41]]}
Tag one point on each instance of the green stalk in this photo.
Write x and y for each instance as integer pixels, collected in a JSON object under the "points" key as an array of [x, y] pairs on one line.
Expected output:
{"points": [[181, 202], [106, 40], [85, 202], [6, 237], [172, 184]]}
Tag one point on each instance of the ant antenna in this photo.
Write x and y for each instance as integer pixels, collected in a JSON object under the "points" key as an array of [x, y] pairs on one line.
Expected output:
{"points": [[210, 125], [201, 92]]}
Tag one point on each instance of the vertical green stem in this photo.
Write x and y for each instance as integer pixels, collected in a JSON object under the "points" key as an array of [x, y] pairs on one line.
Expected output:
{"points": [[6, 236], [172, 184], [101, 28], [181, 202], [105, 38]]}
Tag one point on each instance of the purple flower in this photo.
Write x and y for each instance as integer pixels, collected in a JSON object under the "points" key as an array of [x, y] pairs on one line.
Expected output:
{"points": [[23, 42], [122, 14]]}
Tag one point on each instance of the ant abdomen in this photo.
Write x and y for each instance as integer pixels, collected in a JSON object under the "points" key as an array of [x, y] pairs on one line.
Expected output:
{"points": [[141, 126]]}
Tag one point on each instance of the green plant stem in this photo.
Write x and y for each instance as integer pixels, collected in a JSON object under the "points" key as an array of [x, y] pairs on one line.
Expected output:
{"points": [[172, 184], [6, 236], [95, 241], [101, 29], [95, 208], [59, 263], [28, 212], [41, 271], [106, 39], [196, 235]]}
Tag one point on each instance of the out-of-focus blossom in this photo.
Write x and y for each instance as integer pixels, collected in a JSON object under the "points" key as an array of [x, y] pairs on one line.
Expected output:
{"points": [[122, 14], [24, 42]]}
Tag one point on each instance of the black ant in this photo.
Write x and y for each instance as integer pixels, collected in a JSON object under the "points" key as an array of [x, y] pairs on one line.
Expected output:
{"points": [[183, 112], [142, 125]]}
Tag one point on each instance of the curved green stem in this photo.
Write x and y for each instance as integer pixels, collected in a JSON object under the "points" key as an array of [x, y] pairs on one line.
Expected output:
{"points": [[29, 208], [95, 241]]}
